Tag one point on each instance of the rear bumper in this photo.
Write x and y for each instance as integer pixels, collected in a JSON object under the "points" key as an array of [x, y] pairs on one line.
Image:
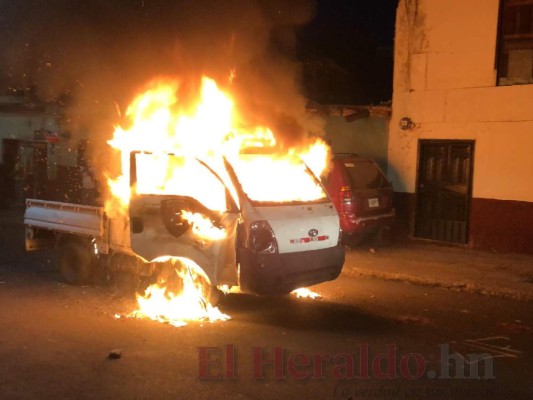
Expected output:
{"points": [[265, 274], [351, 224]]}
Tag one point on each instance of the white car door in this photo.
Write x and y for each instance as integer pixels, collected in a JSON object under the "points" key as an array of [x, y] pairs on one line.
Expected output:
{"points": [[182, 208]]}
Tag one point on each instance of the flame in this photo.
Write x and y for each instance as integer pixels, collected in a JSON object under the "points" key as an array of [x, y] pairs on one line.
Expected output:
{"points": [[161, 125], [317, 157], [178, 306], [203, 227], [306, 293], [276, 179], [173, 141]]}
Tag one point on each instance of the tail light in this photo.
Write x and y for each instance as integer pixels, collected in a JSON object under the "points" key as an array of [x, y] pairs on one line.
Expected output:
{"points": [[346, 199], [261, 238], [350, 203]]}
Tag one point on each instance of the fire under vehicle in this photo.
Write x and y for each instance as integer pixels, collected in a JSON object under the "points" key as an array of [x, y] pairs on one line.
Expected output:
{"points": [[262, 247]]}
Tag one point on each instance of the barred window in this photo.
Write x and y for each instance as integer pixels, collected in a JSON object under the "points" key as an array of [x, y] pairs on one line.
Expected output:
{"points": [[515, 58]]}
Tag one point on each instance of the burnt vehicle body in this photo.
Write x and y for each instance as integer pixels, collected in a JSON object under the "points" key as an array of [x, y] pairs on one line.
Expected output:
{"points": [[267, 247]]}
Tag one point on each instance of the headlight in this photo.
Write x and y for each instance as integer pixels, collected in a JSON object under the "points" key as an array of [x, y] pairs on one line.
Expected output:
{"points": [[261, 238]]}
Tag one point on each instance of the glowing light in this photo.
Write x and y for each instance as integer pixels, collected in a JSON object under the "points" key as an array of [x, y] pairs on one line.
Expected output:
{"points": [[185, 302], [203, 227], [305, 293], [209, 131]]}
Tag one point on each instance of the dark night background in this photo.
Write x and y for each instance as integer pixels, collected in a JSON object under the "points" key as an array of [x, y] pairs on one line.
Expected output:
{"points": [[347, 51], [91, 54]]}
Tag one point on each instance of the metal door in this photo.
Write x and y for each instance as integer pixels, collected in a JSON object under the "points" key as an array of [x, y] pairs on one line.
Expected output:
{"points": [[444, 190], [157, 227]]}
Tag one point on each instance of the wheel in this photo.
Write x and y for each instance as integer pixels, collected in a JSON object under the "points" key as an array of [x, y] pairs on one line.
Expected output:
{"points": [[75, 262], [169, 277]]}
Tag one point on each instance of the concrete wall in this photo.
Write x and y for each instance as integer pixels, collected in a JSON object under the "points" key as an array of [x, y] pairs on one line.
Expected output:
{"points": [[445, 82], [366, 136]]}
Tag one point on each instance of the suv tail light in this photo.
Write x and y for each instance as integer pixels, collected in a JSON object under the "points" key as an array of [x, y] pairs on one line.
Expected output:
{"points": [[350, 203], [346, 199], [261, 238]]}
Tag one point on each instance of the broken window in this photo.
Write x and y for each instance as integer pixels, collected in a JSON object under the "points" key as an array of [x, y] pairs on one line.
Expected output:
{"points": [[516, 42]]}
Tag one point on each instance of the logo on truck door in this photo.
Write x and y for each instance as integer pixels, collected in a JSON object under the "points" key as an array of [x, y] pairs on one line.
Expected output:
{"points": [[313, 232], [313, 237]]}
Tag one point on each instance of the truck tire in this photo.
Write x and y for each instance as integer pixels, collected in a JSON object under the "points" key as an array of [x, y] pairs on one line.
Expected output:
{"points": [[168, 277], [75, 262]]}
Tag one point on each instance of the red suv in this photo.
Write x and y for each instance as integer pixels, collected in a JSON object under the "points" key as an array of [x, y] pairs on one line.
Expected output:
{"points": [[362, 195]]}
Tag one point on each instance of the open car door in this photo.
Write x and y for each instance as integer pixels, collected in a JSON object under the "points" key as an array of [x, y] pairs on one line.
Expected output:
{"points": [[180, 207]]}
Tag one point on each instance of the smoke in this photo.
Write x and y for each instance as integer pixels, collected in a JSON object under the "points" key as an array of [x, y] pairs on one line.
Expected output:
{"points": [[95, 55]]}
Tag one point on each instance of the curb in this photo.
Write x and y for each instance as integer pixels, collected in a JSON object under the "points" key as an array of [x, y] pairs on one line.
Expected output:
{"points": [[460, 286]]}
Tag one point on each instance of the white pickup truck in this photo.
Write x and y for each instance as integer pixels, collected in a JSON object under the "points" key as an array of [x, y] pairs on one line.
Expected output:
{"points": [[268, 247]]}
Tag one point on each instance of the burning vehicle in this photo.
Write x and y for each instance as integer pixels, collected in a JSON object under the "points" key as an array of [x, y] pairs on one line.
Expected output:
{"points": [[203, 200]]}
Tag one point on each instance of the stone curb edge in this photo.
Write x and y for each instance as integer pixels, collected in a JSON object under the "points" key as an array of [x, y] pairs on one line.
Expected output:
{"points": [[433, 282]]}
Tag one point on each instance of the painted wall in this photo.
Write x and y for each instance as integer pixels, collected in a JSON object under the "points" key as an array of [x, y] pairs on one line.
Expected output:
{"points": [[366, 136], [445, 82]]}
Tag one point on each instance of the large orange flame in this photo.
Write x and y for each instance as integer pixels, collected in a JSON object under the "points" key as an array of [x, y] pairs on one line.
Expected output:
{"points": [[177, 306], [209, 131]]}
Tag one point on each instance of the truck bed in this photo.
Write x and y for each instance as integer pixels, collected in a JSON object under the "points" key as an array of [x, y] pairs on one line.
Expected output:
{"points": [[65, 217]]}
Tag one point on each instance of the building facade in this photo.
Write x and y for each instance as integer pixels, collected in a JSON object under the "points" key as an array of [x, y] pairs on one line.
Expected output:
{"points": [[461, 132], [35, 158]]}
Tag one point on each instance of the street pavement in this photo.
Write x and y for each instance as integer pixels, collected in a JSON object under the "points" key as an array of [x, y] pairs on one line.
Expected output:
{"points": [[406, 341], [457, 268]]}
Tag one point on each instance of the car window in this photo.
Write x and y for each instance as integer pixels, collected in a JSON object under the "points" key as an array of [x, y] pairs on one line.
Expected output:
{"points": [[167, 174], [270, 179], [364, 174]]}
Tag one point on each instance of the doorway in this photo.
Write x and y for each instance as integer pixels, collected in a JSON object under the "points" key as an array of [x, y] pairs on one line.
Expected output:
{"points": [[444, 190], [24, 164]]}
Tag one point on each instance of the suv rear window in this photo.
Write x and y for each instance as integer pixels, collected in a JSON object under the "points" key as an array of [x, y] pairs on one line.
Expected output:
{"points": [[168, 174], [364, 174]]}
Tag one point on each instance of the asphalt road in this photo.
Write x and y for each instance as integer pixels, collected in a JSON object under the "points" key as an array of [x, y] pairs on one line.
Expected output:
{"points": [[55, 342]]}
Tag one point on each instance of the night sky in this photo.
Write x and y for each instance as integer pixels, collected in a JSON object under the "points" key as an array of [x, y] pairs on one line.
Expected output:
{"points": [[100, 52], [355, 39]]}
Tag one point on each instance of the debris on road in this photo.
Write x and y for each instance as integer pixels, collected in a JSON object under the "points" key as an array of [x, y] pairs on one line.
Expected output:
{"points": [[115, 354]]}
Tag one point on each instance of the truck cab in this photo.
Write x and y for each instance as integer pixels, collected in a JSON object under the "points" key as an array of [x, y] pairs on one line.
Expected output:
{"points": [[267, 246]]}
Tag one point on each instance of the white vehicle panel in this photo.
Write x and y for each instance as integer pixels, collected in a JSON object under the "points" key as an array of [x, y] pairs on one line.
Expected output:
{"points": [[302, 227], [64, 217]]}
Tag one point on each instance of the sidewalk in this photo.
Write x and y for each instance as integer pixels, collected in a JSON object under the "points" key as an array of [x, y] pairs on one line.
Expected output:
{"points": [[503, 275]]}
